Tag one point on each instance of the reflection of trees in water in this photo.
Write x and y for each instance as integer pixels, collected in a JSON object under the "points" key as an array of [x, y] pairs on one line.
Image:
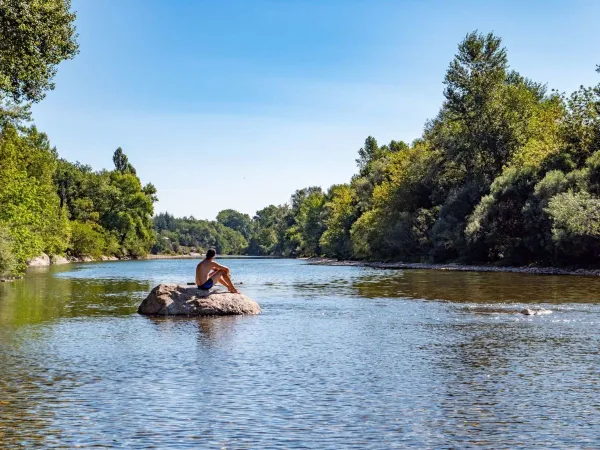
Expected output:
{"points": [[479, 287], [42, 297], [28, 383]]}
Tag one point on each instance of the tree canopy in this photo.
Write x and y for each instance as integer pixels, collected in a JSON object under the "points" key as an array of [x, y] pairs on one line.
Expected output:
{"points": [[36, 36]]}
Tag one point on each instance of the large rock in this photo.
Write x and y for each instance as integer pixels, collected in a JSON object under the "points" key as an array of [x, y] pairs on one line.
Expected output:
{"points": [[59, 260], [173, 299], [39, 261]]}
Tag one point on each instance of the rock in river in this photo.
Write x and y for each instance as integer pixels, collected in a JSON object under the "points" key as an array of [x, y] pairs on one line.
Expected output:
{"points": [[39, 261], [179, 300], [535, 311]]}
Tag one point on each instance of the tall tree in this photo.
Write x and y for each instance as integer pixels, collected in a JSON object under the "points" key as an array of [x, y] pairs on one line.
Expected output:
{"points": [[122, 163], [36, 37]]}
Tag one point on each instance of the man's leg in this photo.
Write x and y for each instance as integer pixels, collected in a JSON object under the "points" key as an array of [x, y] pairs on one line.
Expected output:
{"points": [[220, 276], [227, 282], [217, 276]]}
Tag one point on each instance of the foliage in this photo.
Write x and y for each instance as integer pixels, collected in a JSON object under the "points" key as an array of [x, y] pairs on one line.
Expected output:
{"points": [[181, 235], [8, 261], [305, 233], [87, 239], [269, 227], [36, 36], [505, 173], [30, 207], [236, 221], [114, 204], [339, 212]]}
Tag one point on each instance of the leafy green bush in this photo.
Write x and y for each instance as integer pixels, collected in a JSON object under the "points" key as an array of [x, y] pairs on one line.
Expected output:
{"points": [[8, 261], [87, 239], [575, 214]]}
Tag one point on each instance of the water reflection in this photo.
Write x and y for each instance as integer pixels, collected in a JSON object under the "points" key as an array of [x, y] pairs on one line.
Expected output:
{"points": [[42, 297], [475, 287], [210, 331]]}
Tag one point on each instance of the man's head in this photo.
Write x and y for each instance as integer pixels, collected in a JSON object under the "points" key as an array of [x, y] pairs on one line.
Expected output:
{"points": [[210, 254]]}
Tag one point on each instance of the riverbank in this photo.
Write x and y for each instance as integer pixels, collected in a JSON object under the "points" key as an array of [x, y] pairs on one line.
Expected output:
{"points": [[456, 267]]}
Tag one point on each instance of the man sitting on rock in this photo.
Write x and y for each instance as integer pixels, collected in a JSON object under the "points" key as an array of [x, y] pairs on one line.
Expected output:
{"points": [[209, 273]]}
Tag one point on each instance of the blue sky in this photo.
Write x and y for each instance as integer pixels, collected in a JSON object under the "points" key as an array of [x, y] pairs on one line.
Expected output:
{"points": [[235, 104]]}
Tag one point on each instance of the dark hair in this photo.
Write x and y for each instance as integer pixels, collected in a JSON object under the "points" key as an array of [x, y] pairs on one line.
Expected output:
{"points": [[210, 253]]}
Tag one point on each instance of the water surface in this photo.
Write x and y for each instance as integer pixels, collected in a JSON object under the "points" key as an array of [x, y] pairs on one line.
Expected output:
{"points": [[342, 357]]}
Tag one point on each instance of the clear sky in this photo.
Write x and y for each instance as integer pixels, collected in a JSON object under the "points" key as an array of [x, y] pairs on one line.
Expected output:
{"points": [[235, 104]]}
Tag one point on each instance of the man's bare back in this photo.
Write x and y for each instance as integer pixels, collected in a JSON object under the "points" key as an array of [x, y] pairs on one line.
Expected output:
{"points": [[209, 273]]}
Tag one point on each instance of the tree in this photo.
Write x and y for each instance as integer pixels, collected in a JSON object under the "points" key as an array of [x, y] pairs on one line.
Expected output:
{"points": [[36, 37], [269, 231], [30, 209], [122, 162], [8, 261], [236, 221], [368, 153], [339, 214], [473, 82]]}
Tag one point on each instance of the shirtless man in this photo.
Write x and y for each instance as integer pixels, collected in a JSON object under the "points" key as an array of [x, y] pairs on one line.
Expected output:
{"points": [[209, 273]]}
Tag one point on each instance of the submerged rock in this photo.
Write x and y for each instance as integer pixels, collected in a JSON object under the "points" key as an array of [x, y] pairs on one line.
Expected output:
{"points": [[173, 299], [500, 310], [535, 311]]}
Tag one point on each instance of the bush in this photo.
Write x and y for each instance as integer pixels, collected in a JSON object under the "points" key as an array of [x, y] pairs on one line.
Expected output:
{"points": [[575, 214], [87, 239], [8, 262], [576, 227]]}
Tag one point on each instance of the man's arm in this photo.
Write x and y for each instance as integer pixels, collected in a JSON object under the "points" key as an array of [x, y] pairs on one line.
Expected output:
{"points": [[218, 266]]}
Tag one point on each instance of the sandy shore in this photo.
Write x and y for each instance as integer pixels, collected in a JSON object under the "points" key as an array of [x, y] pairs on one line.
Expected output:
{"points": [[457, 267], [188, 256]]}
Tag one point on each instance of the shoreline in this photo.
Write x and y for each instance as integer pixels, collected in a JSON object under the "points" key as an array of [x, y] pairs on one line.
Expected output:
{"points": [[450, 267], [532, 270]]}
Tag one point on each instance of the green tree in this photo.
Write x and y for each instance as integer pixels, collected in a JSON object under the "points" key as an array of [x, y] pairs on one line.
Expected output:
{"points": [[236, 221], [30, 207], [122, 163], [8, 262], [340, 212], [269, 231], [36, 37]]}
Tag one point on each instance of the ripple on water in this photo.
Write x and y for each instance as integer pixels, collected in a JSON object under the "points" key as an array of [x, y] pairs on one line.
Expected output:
{"points": [[341, 358]]}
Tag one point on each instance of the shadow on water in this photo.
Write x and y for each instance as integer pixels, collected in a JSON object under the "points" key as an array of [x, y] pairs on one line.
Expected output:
{"points": [[479, 287]]}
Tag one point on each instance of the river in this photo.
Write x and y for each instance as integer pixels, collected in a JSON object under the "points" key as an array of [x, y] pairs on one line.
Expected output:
{"points": [[342, 357]]}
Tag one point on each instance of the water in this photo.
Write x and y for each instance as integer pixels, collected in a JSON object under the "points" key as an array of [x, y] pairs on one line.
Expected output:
{"points": [[342, 357]]}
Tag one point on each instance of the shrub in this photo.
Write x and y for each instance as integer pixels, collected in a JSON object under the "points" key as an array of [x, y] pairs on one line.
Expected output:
{"points": [[8, 262], [87, 239]]}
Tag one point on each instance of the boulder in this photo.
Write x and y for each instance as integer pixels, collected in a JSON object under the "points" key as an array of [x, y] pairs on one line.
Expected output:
{"points": [[39, 261], [59, 260], [180, 300]]}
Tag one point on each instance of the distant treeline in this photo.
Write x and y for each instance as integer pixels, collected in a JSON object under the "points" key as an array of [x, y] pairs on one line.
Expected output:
{"points": [[506, 173]]}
